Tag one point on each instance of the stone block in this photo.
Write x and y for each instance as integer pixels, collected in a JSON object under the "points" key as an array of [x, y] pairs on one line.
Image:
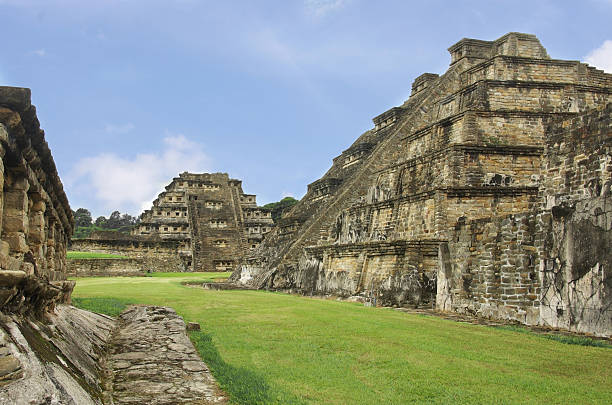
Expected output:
{"points": [[39, 206], [4, 248], [15, 224], [16, 241], [17, 98], [37, 219], [28, 268], [36, 236], [193, 326], [9, 278]]}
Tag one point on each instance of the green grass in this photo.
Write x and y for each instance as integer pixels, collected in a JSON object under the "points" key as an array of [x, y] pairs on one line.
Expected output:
{"points": [[108, 306], [93, 255], [275, 348], [568, 340], [204, 277]]}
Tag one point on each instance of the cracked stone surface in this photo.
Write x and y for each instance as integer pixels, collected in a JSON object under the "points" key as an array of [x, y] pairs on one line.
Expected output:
{"points": [[154, 362]]}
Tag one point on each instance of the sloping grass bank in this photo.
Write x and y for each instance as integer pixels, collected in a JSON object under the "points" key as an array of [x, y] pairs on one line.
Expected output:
{"points": [[92, 255], [275, 348]]}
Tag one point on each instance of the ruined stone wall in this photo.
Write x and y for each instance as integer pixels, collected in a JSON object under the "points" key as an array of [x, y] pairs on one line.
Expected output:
{"points": [[464, 155], [35, 220], [129, 246], [550, 265], [489, 268], [575, 224], [145, 254], [135, 266]]}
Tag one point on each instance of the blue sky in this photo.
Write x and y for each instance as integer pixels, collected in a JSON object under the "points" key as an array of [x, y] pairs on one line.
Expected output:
{"points": [[132, 92]]}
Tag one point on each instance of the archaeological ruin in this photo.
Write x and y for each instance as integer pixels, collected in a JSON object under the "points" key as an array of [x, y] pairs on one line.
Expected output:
{"points": [[53, 353], [201, 222], [487, 193]]}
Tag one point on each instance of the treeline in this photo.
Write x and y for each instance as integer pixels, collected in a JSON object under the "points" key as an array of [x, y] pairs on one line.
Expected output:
{"points": [[85, 225], [279, 207]]}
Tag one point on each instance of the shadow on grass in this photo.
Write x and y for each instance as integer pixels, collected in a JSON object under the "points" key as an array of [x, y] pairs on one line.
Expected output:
{"points": [[242, 385], [568, 340], [102, 305]]}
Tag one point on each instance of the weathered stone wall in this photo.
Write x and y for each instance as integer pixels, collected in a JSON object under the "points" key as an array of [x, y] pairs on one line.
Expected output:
{"points": [[58, 360], [463, 157], [144, 254], [130, 246], [35, 219], [575, 224], [489, 268], [136, 266]]}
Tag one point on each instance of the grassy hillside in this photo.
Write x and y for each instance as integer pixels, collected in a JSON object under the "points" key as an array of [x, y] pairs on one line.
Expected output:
{"points": [[268, 347]]}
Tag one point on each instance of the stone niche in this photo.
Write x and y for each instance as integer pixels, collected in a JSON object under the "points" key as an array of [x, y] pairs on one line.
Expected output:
{"points": [[36, 220]]}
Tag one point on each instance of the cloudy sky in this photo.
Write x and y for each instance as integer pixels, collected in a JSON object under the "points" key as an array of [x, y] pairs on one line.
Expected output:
{"points": [[132, 92]]}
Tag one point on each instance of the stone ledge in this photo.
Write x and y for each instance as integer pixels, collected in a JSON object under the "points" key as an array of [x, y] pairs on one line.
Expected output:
{"points": [[16, 98], [382, 247], [10, 278]]}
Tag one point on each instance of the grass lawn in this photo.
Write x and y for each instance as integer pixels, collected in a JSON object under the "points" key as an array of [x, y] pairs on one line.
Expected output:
{"points": [[275, 348], [93, 255]]}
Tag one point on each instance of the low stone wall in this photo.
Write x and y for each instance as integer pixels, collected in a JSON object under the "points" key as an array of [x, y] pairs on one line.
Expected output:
{"points": [[154, 362], [143, 255], [132, 266], [106, 267]]}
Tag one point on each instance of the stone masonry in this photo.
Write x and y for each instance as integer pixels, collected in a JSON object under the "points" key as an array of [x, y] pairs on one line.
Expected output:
{"points": [[471, 196], [142, 254], [36, 220]]}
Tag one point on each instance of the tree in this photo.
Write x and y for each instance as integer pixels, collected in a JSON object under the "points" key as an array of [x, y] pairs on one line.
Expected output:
{"points": [[101, 221], [114, 221], [127, 220], [82, 217], [280, 207]]}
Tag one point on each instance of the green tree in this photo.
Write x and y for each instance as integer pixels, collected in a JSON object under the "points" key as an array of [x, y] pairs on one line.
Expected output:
{"points": [[280, 207], [82, 217], [114, 221], [101, 221]]}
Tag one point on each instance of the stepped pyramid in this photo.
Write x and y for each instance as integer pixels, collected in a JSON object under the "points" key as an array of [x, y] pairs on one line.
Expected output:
{"points": [[210, 217], [442, 203]]}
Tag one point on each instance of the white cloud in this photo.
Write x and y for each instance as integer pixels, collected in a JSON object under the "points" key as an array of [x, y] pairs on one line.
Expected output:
{"points": [[321, 8], [112, 182], [119, 129], [601, 57], [39, 52]]}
